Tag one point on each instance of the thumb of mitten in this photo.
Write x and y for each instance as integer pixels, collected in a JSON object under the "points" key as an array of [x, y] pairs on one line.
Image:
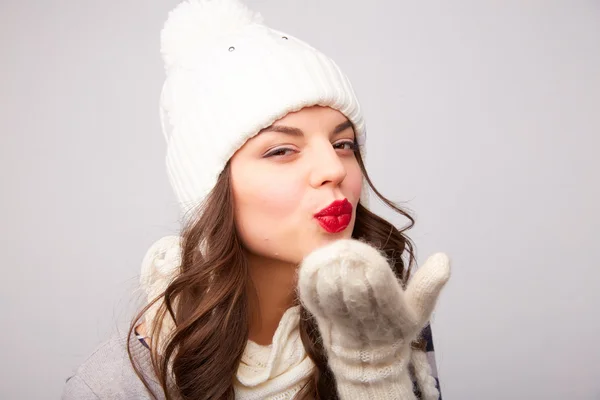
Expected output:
{"points": [[426, 284]]}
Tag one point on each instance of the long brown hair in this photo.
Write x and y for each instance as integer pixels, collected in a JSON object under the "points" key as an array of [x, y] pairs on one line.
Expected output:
{"points": [[201, 355]]}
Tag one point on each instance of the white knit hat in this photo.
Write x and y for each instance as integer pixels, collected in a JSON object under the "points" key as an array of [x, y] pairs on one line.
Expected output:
{"points": [[228, 77]]}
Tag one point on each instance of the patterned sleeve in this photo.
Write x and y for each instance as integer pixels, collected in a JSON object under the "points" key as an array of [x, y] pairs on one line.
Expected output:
{"points": [[425, 343]]}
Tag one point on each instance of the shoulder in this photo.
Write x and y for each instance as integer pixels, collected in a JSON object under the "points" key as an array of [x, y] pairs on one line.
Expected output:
{"points": [[108, 373]]}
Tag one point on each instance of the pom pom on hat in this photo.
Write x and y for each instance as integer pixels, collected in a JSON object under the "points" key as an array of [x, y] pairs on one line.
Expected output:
{"points": [[197, 23]]}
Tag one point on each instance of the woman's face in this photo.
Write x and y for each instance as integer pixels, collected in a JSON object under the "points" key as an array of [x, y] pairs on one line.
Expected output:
{"points": [[302, 165]]}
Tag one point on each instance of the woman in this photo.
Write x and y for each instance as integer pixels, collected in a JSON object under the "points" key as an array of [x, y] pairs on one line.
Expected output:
{"points": [[282, 283]]}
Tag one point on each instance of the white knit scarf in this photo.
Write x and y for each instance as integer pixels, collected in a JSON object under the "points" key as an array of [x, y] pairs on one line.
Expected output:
{"points": [[275, 372]]}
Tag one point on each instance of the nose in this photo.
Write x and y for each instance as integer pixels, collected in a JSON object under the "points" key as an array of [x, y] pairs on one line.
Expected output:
{"points": [[327, 167]]}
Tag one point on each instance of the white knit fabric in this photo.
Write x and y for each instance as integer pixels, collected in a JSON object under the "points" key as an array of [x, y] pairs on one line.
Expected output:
{"points": [[160, 266], [274, 372], [367, 321], [228, 77], [425, 380], [277, 371]]}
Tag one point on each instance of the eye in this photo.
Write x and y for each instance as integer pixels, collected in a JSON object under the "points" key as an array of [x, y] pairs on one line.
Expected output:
{"points": [[279, 152], [346, 145]]}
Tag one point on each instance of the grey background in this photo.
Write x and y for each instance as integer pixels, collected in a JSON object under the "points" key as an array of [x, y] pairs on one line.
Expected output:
{"points": [[483, 120]]}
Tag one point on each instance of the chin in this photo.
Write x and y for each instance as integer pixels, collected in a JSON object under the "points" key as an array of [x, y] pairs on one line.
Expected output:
{"points": [[323, 238], [332, 237]]}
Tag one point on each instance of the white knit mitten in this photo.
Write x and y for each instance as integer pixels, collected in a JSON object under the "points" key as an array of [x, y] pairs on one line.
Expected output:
{"points": [[367, 321]]}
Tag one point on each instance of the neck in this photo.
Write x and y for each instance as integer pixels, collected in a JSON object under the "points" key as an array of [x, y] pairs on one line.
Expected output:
{"points": [[272, 292]]}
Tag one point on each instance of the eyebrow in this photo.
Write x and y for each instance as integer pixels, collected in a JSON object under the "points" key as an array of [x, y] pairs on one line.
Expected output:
{"points": [[289, 130]]}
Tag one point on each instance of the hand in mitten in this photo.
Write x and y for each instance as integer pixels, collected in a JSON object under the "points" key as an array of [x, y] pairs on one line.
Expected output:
{"points": [[365, 317]]}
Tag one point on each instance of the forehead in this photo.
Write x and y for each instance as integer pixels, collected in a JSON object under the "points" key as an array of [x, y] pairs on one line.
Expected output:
{"points": [[315, 120], [315, 117]]}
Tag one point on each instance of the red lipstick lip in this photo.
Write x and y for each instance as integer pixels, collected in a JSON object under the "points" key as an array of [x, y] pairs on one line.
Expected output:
{"points": [[335, 217], [336, 208]]}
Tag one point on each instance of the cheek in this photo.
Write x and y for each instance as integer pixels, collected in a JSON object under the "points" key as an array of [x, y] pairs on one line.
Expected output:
{"points": [[266, 211], [353, 182]]}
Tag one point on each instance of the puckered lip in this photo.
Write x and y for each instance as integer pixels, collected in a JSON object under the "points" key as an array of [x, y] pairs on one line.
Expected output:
{"points": [[337, 208]]}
